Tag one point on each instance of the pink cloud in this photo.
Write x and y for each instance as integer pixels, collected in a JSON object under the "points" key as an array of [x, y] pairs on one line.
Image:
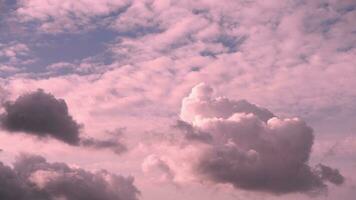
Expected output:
{"points": [[56, 15], [296, 59]]}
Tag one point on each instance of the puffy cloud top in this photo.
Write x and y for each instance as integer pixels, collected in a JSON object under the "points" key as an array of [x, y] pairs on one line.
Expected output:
{"points": [[200, 104], [33, 178], [249, 147]]}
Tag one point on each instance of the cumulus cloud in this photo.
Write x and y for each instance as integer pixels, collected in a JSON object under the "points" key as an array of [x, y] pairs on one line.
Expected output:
{"points": [[248, 146], [199, 104], [191, 133], [43, 115], [33, 178]]}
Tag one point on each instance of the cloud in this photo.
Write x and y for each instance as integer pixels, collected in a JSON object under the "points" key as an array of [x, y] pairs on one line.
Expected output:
{"points": [[43, 115], [330, 174], [8, 69], [248, 147], [153, 163], [60, 16], [285, 59], [112, 144], [200, 105], [60, 66], [13, 50], [33, 178], [191, 133], [14, 56]]}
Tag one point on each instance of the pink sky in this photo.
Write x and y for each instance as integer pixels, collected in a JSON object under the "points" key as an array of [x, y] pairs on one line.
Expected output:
{"points": [[177, 99]]}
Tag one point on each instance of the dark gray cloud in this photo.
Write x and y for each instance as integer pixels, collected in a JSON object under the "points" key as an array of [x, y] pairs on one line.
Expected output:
{"points": [[112, 144], [41, 114], [9, 182], [33, 178], [268, 157], [330, 174]]}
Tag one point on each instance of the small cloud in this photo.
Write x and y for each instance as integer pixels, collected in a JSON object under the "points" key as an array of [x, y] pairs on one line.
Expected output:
{"points": [[8, 69], [329, 174], [113, 144], [60, 66]]}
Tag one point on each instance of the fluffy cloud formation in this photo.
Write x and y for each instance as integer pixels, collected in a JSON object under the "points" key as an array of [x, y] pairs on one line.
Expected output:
{"points": [[41, 114], [247, 147], [33, 178], [200, 105], [284, 58]]}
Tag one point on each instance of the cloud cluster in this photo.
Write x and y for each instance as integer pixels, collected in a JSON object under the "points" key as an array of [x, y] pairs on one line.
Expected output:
{"points": [[43, 115], [248, 147], [13, 50], [33, 178], [13, 56]]}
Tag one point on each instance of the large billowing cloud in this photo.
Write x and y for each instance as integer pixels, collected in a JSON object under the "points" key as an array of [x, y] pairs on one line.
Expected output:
{"points": [[41, 114], [247, 146], [33, 178]]}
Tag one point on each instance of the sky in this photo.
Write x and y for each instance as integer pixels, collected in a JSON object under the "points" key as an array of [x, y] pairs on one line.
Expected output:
{"points": [[164, 99]]}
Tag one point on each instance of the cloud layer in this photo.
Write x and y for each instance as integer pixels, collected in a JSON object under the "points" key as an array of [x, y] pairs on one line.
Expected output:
{"points": [[131, 62], [33, 178], [248, 147]]}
